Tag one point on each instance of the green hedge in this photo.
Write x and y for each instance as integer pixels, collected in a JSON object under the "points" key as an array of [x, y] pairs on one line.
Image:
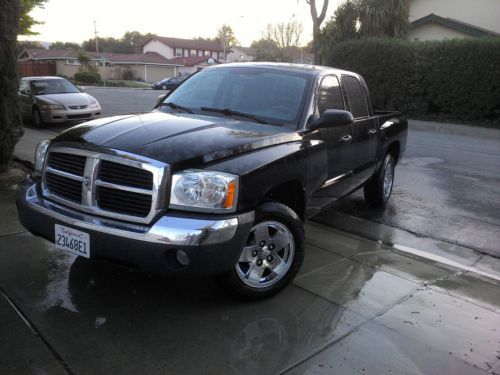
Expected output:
{"points": [[458, 78], [87, 77]]}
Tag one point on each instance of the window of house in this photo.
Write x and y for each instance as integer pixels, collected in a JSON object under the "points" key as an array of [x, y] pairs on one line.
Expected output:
{"points": [[356, 96], [330, 95], [186, 52], [178, 52], [72, 62], [207, 53], [192, 52]]}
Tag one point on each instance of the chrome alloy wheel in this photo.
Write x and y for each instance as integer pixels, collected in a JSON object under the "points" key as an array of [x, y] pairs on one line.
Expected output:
{"points": [[267, 256], [388, 179]]}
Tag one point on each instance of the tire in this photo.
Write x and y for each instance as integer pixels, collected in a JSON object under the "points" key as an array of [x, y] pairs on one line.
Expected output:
{"points": [[379, 188], [263, 271], [37, 118]]}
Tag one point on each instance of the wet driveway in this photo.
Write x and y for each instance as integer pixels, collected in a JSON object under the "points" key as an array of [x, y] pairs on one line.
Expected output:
{"points": [[356, 307]]}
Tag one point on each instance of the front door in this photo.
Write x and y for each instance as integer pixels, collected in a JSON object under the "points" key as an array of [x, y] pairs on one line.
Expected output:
{"points": [[339, 141]]}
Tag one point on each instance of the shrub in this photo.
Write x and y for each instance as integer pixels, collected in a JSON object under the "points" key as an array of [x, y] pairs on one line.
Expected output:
{"points": [[128, 75], [459, 77], [87, 77]]}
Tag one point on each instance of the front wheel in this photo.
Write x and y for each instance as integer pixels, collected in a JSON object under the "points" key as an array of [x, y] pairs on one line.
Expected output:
{"points": [[379, 188], [272, 255], [37, 118]]}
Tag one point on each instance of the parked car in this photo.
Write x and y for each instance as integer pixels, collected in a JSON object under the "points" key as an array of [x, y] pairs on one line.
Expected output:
{"points": [[55, 99], [167, 83], [220, 177]]}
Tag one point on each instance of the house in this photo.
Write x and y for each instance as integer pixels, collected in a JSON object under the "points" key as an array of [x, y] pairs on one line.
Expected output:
{"points": [[241, 54], [447, 19], [148, 67], [187, 50]]}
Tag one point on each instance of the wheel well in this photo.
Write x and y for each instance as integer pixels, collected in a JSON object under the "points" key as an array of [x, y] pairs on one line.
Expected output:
{"points": [[393, 149], [290, 194]]}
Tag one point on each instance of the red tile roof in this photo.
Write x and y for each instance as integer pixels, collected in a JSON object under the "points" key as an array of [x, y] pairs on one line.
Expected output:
{"points": [[202, 45]]}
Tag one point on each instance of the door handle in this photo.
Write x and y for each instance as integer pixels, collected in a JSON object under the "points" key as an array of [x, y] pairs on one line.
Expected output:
{"points": [[346, 139], [372, 131]]}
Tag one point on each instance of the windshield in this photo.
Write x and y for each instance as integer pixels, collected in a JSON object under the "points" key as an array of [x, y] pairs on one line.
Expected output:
{"points": [[275, 96], [52, 86]]}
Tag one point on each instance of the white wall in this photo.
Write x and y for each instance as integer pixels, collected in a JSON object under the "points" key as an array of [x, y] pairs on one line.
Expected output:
{"points": [[481, 13], [158, 47]]}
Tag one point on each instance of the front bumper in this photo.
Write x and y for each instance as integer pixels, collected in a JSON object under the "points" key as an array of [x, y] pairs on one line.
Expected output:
{"points": [[212, 243], [64, 115]]}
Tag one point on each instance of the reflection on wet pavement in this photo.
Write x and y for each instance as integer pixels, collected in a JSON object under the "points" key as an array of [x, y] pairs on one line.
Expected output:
{"points": [[356, 306]]}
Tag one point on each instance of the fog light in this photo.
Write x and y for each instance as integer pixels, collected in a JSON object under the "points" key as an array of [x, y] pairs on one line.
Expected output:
{"points": [[182, 258]]}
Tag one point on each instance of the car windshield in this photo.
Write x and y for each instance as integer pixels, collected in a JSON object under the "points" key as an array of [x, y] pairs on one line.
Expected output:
{"points": [[52, 86], [274, 96]]}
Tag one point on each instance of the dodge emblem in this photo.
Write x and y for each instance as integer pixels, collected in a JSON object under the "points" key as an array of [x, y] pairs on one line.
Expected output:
{"points": [[87, 181]]}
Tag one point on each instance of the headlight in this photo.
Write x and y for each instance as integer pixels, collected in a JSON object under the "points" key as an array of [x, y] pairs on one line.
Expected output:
{"points": [[41, 152], [204, 191], [51, 107], [94, 104]]}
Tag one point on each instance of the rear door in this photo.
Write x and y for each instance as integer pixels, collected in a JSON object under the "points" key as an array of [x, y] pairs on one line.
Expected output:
{"points": [[24, 98], [364, 128]]}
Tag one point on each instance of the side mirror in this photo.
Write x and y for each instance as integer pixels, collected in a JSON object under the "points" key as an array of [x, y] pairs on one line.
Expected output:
{"points": [[161, 98], [24, 92], [331, 118]]}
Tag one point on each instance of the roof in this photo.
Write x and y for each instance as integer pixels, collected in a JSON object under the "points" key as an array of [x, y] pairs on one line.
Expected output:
{"points": [[193, 60], [40, 77], [453, 24], [114, 58], [205, 45], [290, 67]]}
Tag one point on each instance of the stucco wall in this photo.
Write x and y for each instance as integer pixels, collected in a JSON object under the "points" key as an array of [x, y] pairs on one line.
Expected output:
{"points": [[432, 31], [481, 13], [160, 48]]}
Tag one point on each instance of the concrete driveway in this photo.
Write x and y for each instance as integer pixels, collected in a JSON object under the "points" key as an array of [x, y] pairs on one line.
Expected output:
{"points": [[356, 307]]}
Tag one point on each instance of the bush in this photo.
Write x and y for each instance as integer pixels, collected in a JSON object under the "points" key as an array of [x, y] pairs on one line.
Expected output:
{"points": [[128, 75], [87, 77], [458, 78]]}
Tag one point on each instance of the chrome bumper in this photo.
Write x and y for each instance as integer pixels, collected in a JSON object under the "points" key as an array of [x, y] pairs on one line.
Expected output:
{"points": [[168, 230]]}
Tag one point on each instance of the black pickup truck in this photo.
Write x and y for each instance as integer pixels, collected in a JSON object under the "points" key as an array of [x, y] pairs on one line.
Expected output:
{"points": [[220, 177]]}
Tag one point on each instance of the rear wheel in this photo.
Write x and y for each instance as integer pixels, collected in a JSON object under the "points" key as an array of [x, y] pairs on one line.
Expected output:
{"points": [[379, 188], [37, 118], [272, 255]]}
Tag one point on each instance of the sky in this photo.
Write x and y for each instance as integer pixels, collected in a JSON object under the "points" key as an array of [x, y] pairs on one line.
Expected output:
{"points": [[73, 21]]}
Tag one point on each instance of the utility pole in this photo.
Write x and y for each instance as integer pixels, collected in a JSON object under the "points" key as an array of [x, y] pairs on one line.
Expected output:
{"points": [[96, 40]]}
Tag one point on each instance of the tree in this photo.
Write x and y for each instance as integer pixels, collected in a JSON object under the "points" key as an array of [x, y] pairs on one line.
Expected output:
{"points": [[10, 117], [26, 22], [23, 44], [317, 21], [357, 19], [226, 36], [64, 45], [279, 41]]}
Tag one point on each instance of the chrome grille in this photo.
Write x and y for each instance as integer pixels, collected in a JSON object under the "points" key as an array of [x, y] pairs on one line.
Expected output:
{"points": [[77, 106], [69, 163], [119, 185], [125, 175]]}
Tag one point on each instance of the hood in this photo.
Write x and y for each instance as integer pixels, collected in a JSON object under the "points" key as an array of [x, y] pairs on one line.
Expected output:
{"points": [[67, 99], [181, 140]]}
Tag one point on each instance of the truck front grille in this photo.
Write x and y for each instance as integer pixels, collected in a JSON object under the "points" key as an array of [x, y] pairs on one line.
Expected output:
{"points": [[74, 164], [122, 186]]}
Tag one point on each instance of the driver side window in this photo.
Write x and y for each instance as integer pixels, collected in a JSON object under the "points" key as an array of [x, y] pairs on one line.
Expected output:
{"points": [[330, 95]]}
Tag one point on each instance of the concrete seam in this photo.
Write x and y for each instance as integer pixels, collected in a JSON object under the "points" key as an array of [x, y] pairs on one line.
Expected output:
{"points": [[36, 332]]}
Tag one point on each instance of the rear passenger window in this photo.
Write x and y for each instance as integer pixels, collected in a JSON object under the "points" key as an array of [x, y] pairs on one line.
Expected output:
{"points": [[356, 95], [330, 96]]}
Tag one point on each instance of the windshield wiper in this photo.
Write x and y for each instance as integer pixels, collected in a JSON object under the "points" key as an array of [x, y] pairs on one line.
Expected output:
{"points": [[176, 106], [231, 112]]}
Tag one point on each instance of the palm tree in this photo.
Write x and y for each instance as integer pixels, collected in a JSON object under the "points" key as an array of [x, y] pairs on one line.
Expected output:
{"points": [[383, 18]]}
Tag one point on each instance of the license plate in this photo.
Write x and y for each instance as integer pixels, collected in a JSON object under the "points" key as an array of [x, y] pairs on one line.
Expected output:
{"points": [[72, 240]]}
